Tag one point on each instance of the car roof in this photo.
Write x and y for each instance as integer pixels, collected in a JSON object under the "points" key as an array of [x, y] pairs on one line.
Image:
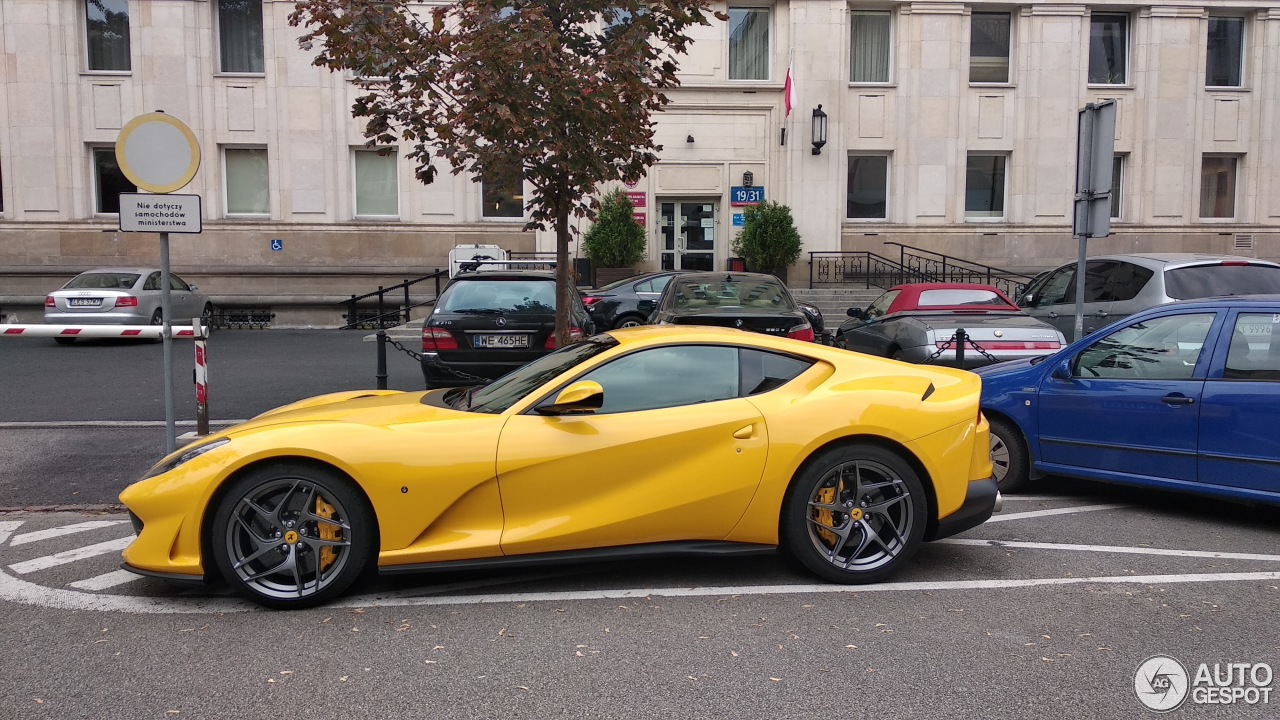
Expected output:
{"points": [[139, 270], [719, 276], [504, 275], [943, 286], [1214, 302], [1159, 260]]}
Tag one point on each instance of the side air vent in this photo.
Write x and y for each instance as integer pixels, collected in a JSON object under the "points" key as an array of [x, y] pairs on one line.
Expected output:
{"points": [[1243, 242]]}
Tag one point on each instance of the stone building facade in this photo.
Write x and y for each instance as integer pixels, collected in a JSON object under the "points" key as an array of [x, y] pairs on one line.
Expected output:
{"points": [[950, 126]]}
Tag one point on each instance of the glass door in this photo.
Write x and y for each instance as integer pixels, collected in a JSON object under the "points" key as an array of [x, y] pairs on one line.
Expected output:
{"points": [[688, 235]]}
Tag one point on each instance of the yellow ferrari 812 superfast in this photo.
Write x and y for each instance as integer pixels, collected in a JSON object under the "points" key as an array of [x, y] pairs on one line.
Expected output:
{"points": [[656, 440]]}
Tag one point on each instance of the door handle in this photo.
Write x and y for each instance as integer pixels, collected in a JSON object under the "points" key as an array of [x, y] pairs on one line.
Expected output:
{"points": [[1101, 314], [1177, 400], [746, 433], [1053, 315]]}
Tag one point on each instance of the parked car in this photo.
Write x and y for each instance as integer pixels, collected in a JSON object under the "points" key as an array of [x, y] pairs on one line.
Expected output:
{"points": [[123, 296], [651, 440], [917, 322], [486, 324], [813, 314], [1117, 286], [1184, 396], [627, 302], [747, 301]]}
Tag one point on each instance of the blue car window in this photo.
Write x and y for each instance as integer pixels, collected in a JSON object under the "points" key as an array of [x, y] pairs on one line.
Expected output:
{"points": [[1254, 353], [1165, 348]]}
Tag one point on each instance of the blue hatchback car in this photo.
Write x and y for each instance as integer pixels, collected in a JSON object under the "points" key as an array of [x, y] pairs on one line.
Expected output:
{"points": [[1184, 396]]}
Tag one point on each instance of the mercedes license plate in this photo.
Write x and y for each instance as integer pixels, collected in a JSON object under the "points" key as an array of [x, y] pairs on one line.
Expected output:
{"points": [[502, 340], [83, 302]]}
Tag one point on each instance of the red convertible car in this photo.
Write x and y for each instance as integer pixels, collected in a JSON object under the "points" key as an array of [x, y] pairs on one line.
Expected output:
{"points": [[917, 323]]}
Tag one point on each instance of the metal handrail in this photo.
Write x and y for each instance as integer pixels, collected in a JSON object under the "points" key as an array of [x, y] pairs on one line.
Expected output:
{"points": [[353, 321], [841, 266], [934, 266]]}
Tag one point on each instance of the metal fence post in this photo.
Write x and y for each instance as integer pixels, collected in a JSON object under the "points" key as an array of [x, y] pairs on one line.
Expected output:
{"points": [[382, 359], [380, 310], [351, 311], [406, 301], [961, 339]]}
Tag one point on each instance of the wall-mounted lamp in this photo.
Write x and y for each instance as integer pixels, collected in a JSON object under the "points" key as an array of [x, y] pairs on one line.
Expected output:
{"points": [[689, 139], [748, 180], [819, 130]]}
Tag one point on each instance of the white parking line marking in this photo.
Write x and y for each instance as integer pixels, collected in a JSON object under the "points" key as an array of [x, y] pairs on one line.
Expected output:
{"points": [[104, 581], [7, 528], [31, 537], [62, 558], [1112, 549], [1055, 511]]}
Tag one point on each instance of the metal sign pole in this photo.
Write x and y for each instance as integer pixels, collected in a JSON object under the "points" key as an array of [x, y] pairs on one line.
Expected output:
{"points": [[170, 412]]}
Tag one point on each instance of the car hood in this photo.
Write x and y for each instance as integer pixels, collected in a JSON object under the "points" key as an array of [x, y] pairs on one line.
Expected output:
{"points": [[1009, 367], [363, 407]]}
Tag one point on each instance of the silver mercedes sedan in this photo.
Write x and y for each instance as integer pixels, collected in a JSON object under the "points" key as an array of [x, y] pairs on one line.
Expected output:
{"points": [[123, 296]]}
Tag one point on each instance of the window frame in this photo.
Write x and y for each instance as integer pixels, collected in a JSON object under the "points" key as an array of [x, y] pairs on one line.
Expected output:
{"points": [[1128, 48], [888, 180], [94, 149], [88, 63], [1237, 162], [217, 36], [1119, 164], [355, 183], [1004, 187], [892, 32], [1241, 52], [226, 196], [728, 68], [1009, 68]]}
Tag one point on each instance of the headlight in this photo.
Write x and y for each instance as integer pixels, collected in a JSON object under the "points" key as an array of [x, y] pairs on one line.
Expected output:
{"points": [[186, 456]]}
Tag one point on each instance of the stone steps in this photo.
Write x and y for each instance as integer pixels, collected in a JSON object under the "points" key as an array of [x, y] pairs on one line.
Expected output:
{"points": [[833, 302]]}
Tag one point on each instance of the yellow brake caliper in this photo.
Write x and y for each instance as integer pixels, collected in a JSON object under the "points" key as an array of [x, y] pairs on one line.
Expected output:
{"points": [[827, 496], [327, 532]]}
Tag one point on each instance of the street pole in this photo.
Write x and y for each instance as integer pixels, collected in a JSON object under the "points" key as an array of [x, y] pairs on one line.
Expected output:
{"points": [[170, 421]]}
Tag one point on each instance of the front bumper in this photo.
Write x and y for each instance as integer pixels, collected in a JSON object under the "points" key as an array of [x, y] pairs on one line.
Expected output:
{"points": [[981, 499]]}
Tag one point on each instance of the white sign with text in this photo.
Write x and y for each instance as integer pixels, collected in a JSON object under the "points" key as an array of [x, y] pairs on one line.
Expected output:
{"points": [[140, 212]]}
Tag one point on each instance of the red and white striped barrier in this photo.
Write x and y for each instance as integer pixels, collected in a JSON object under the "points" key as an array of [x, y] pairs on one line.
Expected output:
{"points": [[153, 332]]}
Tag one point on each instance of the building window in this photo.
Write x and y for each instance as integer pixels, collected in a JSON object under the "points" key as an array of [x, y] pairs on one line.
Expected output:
{"points": [[240, 36], [503, 191], [989, 47], [870, 46], [1108, 49], [1218, 187], [984, 186], [1117, 187], [108, 181], [1226, 52], [247, 184], [868, 189], [377, 185], [748, 43], [107, 34]]}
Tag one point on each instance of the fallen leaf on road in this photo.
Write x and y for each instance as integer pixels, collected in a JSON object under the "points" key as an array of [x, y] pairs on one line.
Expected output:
{"points": [[776, 679]]}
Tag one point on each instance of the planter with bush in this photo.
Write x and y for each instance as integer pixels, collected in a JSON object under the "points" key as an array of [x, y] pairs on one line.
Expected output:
{"points": [[769, 240], [615, 243]]}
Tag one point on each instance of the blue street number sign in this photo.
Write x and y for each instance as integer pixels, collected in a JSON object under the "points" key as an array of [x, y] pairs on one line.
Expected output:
{"points": [[746, 195]]}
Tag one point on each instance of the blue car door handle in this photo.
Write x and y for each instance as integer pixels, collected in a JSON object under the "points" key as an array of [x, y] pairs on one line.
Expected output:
{"points": [[1177, 400]]}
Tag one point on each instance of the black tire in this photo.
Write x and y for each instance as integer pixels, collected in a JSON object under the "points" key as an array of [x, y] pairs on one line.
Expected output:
{"points": [[157, 317], [628, 321], [286, 498], [1010, 461], [829, 496]]}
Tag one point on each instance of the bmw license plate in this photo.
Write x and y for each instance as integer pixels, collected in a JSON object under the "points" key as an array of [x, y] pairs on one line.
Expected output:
{"points": [[502, 340], [83, 302]]}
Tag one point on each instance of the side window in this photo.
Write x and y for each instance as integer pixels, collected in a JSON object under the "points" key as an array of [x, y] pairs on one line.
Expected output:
{"points": [[1254, 353], [1165, 348], [760, 371], [660, 284], [667, 377], [1130, 279], [1056, 287], [177, 283], [153, 282], [645, 287], [1099, 276], [880, 305]]}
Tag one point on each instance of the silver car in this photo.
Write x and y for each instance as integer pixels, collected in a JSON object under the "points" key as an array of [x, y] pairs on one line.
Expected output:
{"points": [[1117, 286], [123, 296]]}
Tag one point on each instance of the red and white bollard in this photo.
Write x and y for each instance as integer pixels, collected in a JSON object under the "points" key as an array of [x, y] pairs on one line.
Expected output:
{"points": [[201, 335]]}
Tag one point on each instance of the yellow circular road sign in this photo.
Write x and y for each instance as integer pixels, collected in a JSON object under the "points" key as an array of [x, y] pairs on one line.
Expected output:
{"points": [[158, 152]]}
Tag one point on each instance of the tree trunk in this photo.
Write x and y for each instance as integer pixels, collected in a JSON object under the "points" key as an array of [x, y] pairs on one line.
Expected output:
{"points": [[564, 301]]}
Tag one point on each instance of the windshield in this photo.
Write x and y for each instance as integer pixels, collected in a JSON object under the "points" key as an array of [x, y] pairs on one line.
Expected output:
{"points": [[507, 390], [507, 296], [1201, 281], [102, 281], [960, 296], [731, 293]]}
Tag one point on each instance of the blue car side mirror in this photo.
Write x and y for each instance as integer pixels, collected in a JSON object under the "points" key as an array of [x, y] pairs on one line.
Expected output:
{"points": [[1062, 370]]}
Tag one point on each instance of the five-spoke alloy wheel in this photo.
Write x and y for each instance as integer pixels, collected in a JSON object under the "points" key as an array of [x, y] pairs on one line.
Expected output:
{"points": [[854, 514], [292, 535]]}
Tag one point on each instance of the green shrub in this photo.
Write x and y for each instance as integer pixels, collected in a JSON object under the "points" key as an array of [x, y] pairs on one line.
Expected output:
{"points": [[616, 240], [769, 241]]}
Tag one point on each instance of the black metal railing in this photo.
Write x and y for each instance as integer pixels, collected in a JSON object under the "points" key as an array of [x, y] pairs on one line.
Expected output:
{"points": [[374, 316], [855, 267], [933, 266], [242, 318]]}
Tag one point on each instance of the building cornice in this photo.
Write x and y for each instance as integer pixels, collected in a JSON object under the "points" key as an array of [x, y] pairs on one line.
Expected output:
{"points": [[1174, 11]]}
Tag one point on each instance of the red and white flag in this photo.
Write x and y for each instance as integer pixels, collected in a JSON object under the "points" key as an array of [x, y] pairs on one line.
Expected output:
{"points": [[789, 88]]}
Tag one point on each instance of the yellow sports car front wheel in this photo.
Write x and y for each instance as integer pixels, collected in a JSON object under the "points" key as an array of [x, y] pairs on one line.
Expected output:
{"points": [[292, 534]]}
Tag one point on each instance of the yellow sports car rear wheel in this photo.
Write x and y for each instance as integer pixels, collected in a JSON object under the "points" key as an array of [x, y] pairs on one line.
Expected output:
{"points": [[854, 514], [292, 535]]}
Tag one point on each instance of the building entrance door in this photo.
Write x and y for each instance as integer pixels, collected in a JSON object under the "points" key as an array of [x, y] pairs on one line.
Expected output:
{"points": [[688, 234]]}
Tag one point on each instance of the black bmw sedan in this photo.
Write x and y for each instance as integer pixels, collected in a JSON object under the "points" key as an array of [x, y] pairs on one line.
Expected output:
{"points": [[750, 301]]}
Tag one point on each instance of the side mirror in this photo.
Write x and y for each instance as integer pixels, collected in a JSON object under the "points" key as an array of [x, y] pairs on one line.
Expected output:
{"points": [[580, 398], [193, 287], [855, 313], [1062, 371]]}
